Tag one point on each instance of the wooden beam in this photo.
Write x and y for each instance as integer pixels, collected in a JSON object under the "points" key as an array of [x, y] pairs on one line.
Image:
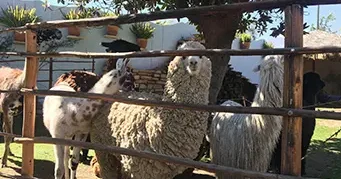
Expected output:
{"points": [[197, 107], [181, 13], [31, 71], [51, 72], [292, 95], [158, 53]]}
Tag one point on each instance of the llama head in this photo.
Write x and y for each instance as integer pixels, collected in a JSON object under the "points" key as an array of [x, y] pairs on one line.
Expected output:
{"points": [[188, 78], [112, 81], [193, 64], [312, 84], [15, 107], [271, 71]]}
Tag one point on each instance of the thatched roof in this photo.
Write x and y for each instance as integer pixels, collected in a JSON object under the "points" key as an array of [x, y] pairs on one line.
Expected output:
{"points": [[318, 38]]}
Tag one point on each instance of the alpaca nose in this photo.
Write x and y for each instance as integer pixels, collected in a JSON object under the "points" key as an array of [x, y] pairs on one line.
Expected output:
{"points": [[193, 62]]}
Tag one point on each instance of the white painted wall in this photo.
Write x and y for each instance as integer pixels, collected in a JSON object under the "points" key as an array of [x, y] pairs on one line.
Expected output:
{"points": [[165, 38]]}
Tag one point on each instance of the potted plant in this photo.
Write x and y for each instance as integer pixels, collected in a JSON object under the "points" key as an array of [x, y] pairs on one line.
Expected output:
{"points": [[74, 14], [143, 32], [112, 30], [16, 17], [245, 40], [71, 15], [267, 45]]}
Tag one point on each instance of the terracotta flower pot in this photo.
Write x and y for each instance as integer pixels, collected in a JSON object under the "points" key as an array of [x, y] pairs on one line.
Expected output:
{"points": [[75, 31], [19, 36], [142, 42], [244, 45], [112, 30]]}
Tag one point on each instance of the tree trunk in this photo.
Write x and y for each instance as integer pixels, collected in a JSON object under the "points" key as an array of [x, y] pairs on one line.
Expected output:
{"points": [[219, 32]]}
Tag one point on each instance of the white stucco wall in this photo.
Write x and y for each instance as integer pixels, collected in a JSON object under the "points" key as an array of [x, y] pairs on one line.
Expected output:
{"points": [[165, 38]]}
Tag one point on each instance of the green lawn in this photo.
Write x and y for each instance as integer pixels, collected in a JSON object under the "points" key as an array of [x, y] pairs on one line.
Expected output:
{"points": [[44, 161], [324, 159]]}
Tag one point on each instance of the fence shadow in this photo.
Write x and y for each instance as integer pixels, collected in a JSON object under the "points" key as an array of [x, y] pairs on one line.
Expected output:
{"points": [[324, 159], [42, 168]]}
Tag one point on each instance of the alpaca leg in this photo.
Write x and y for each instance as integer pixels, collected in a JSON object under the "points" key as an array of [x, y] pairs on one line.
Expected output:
{"points": [[66, 162], [7, 126], [11, 127], [76, 155], [85, 151], [59, 165]]}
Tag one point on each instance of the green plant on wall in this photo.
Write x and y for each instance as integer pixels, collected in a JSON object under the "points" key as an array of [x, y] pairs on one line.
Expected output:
{"points": [[244, 37], [267, 45], [111, 14], [142, 30], [18, 16], [72, 14], [86, 13]]}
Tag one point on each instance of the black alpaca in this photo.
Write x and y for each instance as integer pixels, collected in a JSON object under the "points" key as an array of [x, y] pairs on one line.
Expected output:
{"points": [[312, 84]]}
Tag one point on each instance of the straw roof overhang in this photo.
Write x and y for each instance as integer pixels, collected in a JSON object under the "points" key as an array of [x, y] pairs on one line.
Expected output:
{"points": [[318, 38]]}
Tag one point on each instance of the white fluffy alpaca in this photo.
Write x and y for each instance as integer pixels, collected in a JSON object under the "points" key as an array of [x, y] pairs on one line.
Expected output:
{"points": [[174, 132], [247, 141], [66, 117]]}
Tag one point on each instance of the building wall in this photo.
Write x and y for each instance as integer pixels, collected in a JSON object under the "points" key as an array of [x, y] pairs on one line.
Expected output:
{"points": [[165, 38]]}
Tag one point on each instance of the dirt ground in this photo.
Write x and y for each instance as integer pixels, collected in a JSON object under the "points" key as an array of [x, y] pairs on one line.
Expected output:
{"points": [[83, 172]]}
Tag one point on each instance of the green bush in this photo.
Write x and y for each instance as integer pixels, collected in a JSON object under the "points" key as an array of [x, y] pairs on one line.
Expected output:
{"points": [[142, 30], [18, 16], [111, 14], [267, 45], [86, 13], [245, 37]]}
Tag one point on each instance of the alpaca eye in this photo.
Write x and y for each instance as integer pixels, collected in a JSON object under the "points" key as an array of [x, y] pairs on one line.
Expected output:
{"points": [[200, 56], [183, 57]]}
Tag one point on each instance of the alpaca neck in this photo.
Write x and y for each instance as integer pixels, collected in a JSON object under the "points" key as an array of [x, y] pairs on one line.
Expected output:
{"points": [[264, 98], [22, 77], [105, 85]]}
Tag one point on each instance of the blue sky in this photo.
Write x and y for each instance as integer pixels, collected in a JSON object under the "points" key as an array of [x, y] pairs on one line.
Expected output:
{"points": [[310, 16]]}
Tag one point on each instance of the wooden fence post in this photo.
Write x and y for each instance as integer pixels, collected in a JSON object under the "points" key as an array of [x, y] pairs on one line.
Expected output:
{"points": [[31, 72], [93, 65], [50, 72], [292, 92]]}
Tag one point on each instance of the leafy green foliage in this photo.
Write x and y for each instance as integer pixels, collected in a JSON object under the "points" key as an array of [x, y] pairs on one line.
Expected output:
{"points": [[142, 30], [244, 37], [18, 16], [81, 14], [268, 45], [324, 24], [258, 20]]}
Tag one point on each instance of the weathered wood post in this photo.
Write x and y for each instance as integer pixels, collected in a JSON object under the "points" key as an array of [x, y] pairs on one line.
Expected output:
{"points": [[31, 64], [51, 72], [292, 94]]}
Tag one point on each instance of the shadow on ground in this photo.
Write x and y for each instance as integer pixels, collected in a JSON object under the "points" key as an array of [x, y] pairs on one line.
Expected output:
{"points": [[42, 169], [324, 159]]}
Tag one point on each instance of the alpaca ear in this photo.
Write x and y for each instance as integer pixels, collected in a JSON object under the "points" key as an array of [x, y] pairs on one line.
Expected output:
{"points": [[125, 64], [256, 69]]}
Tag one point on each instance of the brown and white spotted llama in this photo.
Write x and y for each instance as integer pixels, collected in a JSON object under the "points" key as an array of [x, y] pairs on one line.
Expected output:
{"points": [[66, 117], [81, 81], [10, 103]]}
